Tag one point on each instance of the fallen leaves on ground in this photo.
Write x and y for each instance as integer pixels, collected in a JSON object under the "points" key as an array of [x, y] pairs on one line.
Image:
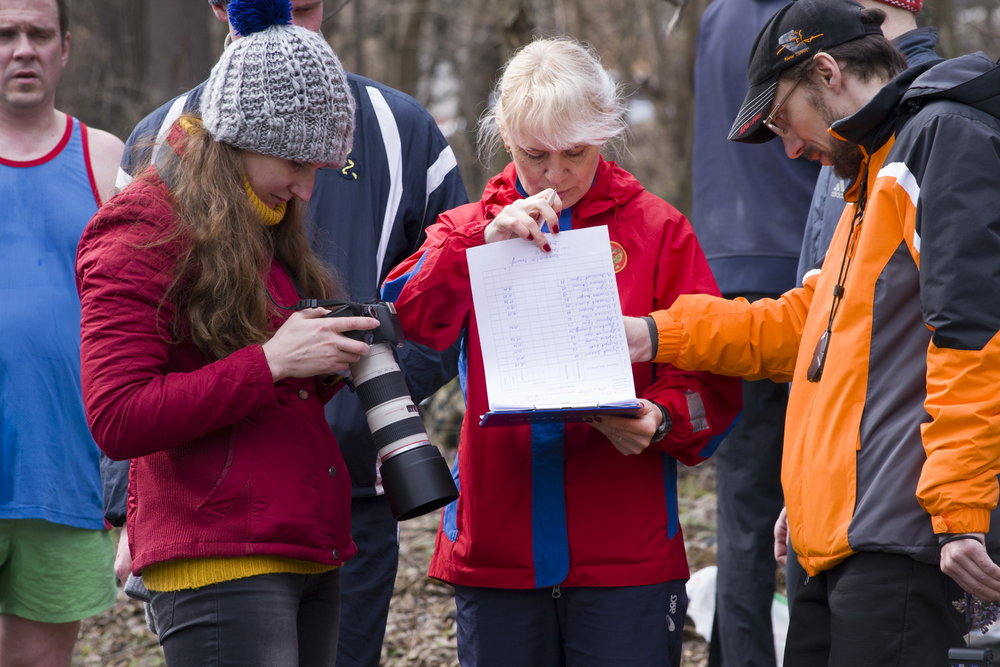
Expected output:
{"points": [[421, 628]]}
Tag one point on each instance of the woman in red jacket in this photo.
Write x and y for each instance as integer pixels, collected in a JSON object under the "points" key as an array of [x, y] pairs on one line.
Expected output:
{"points": [[239, 500], [564, 545]]}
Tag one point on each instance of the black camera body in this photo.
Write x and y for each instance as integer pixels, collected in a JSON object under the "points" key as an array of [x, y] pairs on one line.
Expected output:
{"points": [[415, 476], [388, 329], [970, 657]]}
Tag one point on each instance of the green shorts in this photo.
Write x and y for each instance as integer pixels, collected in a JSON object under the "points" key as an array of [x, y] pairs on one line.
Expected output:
{"points": [[52, 573]]}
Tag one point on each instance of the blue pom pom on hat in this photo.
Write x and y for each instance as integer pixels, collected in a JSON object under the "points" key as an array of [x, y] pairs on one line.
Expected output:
{"points": [[279, 89], [250, 16]]}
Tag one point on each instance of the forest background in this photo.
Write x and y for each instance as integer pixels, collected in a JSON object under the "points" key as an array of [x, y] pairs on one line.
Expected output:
{"points": [[129, 56]]}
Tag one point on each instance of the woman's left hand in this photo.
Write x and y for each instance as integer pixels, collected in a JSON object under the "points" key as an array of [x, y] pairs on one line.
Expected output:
{"points": [[308, 344], [630, 435], [123, 557], [523, 219]]}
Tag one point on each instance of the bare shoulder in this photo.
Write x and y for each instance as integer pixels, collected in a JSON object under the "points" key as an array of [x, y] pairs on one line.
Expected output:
{"points": [[105, 156]]}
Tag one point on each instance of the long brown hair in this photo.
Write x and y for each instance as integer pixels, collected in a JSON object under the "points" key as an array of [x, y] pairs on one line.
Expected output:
{"points": [[226, 251]]}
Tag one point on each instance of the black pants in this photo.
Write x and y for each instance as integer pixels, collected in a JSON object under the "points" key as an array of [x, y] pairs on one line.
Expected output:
{"points": [[874, 609], [749, 499], [269, 620], [366, 583]]}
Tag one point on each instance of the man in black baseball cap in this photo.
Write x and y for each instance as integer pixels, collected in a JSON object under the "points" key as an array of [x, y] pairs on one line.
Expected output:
{"points": [[794, 35], [890, 459]]}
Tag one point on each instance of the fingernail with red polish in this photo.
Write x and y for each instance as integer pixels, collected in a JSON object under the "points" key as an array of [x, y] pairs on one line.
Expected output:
{"points": [[547, 248]]}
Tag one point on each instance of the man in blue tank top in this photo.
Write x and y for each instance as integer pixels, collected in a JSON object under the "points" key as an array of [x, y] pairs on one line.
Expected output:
{"points": [[55, 553], [368, 217]]}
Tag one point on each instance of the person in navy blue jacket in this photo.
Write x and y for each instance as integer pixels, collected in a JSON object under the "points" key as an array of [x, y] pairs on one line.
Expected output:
{"points": [[368, 217], [749, 209]]}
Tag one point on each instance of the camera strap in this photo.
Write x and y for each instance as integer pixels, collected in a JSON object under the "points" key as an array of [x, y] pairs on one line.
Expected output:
{"points": [[335, 306], [291, 279]]}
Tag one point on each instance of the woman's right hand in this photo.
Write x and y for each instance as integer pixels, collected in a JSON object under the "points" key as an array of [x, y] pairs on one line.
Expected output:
{"points": [[310, 344], [523, 219]]}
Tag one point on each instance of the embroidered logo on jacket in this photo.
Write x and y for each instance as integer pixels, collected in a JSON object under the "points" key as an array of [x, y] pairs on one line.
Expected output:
{"points": [[349, 170], [618, 256]]}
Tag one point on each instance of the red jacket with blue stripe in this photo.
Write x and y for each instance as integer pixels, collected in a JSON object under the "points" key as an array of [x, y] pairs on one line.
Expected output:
{"points": [[548, 504]]}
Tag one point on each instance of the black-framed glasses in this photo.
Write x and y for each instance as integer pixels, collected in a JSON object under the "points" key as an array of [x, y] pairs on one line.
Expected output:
{"points": [[770, 122]]}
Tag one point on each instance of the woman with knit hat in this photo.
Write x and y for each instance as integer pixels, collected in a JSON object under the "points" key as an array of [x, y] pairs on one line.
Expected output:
{"points": [[195, 367]]}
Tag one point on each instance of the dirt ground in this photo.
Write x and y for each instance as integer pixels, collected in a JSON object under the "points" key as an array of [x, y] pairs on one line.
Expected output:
{"points": [[421, 627]]}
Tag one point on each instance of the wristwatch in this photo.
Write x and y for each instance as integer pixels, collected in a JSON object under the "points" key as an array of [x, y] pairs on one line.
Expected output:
{"points": [[661, 431]]}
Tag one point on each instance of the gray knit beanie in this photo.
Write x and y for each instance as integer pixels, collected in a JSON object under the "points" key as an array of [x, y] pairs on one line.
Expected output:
{"points": [[279, 89]]}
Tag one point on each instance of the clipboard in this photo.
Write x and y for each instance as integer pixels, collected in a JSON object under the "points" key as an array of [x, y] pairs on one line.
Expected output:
{"points": [[550, 327], [548, 415]]}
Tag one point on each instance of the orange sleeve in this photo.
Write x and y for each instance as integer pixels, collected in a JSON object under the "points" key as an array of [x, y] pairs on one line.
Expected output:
{"points": [[958, 483], [734, 337]]}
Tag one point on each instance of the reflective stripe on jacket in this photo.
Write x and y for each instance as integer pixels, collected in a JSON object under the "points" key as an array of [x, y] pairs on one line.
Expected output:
{"points": [[901, 437]]}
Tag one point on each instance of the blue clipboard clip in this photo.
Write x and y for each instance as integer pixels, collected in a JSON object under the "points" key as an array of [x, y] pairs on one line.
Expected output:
{"points": [[567, 414]]}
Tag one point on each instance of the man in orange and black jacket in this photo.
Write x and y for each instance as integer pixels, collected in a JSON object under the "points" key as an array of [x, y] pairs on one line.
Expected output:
{"points": [[892, 439]]}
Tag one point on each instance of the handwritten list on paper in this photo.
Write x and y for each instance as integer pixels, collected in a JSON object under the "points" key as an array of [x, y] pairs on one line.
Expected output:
{"points": [[550, 324]]}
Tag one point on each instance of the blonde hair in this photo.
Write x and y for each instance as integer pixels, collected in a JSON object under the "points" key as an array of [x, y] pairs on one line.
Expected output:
{"points": [[556, 91]]}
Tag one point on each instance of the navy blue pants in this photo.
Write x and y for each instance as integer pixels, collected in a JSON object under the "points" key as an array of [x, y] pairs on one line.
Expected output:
{"points": [[749, 499], [366, 582], [269, 620], [874, 609], [578, 627]]}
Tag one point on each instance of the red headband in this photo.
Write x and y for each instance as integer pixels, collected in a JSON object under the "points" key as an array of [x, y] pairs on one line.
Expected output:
{"points": [[912, 5]]}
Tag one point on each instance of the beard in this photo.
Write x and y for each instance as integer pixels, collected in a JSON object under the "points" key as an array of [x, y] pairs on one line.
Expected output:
{"points": [[845, 157]]}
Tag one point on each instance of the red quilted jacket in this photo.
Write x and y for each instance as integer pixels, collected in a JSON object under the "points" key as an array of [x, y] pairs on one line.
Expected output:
{"points": [[224, 462]]}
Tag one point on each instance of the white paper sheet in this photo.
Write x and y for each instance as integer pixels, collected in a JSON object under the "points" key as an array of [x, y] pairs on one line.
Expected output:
{"points": [[550, 324]]}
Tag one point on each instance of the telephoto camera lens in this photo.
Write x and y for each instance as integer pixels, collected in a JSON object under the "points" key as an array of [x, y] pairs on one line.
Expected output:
{"points": [[414, 474]]}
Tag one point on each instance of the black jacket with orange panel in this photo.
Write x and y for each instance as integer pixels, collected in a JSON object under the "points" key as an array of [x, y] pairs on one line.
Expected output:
{"points": [[900, 438]]}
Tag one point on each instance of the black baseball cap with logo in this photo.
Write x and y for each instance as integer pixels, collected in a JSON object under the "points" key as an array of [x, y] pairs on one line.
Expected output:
{"points": [[797, 32]]}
